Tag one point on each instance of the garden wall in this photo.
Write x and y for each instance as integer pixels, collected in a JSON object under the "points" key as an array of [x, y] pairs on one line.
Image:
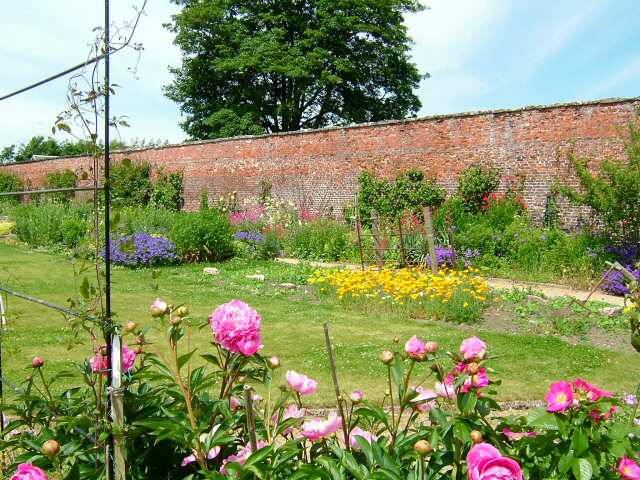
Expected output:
{"points": [[318, 169]]}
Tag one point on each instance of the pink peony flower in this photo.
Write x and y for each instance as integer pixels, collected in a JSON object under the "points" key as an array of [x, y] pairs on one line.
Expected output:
{"points": [[486, 463], [473, 349], [628, 469], [234, 403], [301, 383], [213, 453], [236, 326], [479, 380], [357, 396], [425, 400], [242, 455], [560, 397], [319, 428], [100, 363], [447, 389], [292, 411], [415, 348], [26, 471], [517, 435], [358, 432]]}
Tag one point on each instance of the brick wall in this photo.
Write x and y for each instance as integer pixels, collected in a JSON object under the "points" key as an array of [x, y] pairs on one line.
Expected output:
{"points": [[319, 169]]}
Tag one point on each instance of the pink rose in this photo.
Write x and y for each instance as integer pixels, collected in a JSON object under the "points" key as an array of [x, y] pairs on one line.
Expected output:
{"points": [[560, 397], [301, 383], [628, 469], [100, 363], [425, 400], [473, 349], [358, 432], [590, 392], [485, 462], [317, 429], [236, 326], [26, 471], [415, 348]]}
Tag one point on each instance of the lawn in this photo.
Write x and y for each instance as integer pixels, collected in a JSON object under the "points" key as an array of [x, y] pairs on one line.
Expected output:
{"points": [[292, 326]]}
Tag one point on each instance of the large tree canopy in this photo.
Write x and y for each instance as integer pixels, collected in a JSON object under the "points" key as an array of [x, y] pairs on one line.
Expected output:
{"points": [[254, 66]]}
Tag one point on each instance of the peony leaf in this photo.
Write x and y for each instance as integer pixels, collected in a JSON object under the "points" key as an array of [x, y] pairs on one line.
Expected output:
{"points": [[582, 469]]}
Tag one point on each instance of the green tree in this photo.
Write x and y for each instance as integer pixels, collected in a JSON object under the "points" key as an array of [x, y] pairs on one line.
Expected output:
{"points": [[251, 66], [614, 192]]}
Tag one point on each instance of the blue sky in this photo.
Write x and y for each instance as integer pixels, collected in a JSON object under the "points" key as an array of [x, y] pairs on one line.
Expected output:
{"points": [[481, 54]]}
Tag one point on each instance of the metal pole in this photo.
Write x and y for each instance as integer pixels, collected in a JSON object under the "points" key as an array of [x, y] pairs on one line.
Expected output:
{"points": [[428, 225], [44, 303], [2, 323], [50, 190], [111, 467], [358, 233]]}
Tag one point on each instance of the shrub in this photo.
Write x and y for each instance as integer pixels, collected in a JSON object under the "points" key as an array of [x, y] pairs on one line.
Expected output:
{"points": [[10, 183], [319, 240], [614, 193], [50, 224], [167, 191], [475, 184], [142, 250], [130, 184], [203, 236], [61, 179], [132, 220], [257, 245]]}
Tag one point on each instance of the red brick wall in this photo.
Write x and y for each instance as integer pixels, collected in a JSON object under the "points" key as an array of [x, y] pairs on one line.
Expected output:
{"points": [[319, 168]]}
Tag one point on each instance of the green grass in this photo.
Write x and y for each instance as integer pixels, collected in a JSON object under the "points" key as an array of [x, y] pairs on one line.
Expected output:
{"points": [[292, 327]]}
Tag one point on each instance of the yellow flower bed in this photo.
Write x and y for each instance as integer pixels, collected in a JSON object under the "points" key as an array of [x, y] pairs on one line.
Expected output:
{"points": [[400, 286]]}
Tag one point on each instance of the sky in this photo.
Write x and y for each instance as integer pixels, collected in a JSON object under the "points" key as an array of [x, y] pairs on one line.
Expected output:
{"points": [[480, 55]]}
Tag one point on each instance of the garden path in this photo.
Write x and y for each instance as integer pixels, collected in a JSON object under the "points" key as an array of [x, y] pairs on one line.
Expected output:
{"points": [[548, 289]]}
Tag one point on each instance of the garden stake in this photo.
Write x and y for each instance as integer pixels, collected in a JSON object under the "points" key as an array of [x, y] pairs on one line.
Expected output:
{"points": [[334, 376], [358, 233], [1, 379], [452, 244], [251, 426], [402, 250], [117, 409], [428, 224]]}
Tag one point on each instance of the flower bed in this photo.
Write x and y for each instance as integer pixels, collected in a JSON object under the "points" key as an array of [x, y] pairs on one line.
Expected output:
{"points": [[193, 421], [450, 294], [142, 250]]}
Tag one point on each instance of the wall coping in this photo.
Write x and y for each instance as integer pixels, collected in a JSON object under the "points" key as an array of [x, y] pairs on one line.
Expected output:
{"points": [[474, 113]]}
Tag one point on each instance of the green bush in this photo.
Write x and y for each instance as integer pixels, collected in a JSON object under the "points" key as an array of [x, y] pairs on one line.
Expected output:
{"points": [[475, 184], [131, 220], [410, 191], [203, 236], [50, 224], [10, 183], [167, 191], [61, 179], [319, 240], [130, 184]]}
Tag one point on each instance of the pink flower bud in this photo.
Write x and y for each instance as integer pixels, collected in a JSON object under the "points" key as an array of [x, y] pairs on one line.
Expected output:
{"points": [[159, 308], [431, 347], [37, 362], [415, 348], [357, 396]]}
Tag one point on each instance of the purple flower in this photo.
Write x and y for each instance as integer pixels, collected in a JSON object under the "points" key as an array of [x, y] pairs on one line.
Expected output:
{"points": [[250, 237], [613, 282], [142, 250], [444, 256]]}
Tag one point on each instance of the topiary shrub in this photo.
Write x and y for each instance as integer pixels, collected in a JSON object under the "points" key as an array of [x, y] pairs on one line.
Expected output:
{"points": [[203, 236], [475, 184]]}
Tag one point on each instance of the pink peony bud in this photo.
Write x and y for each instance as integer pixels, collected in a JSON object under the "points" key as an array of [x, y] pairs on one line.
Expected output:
{"points": [[159, 308], [357, 396], [473, 349], [415, 348], [274, 362], [37, 362], [431, 347]]}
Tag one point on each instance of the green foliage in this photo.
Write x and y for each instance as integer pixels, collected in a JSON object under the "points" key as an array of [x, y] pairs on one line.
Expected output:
{"points": [[51, 224], [130, 183], [131, 220], [39, 145], [61, 179], [252, 67], [614, 193], [203, 236], [410, 191], [10, 183], [204, 199], [167, 191], [475, 183], [319, 240]]}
